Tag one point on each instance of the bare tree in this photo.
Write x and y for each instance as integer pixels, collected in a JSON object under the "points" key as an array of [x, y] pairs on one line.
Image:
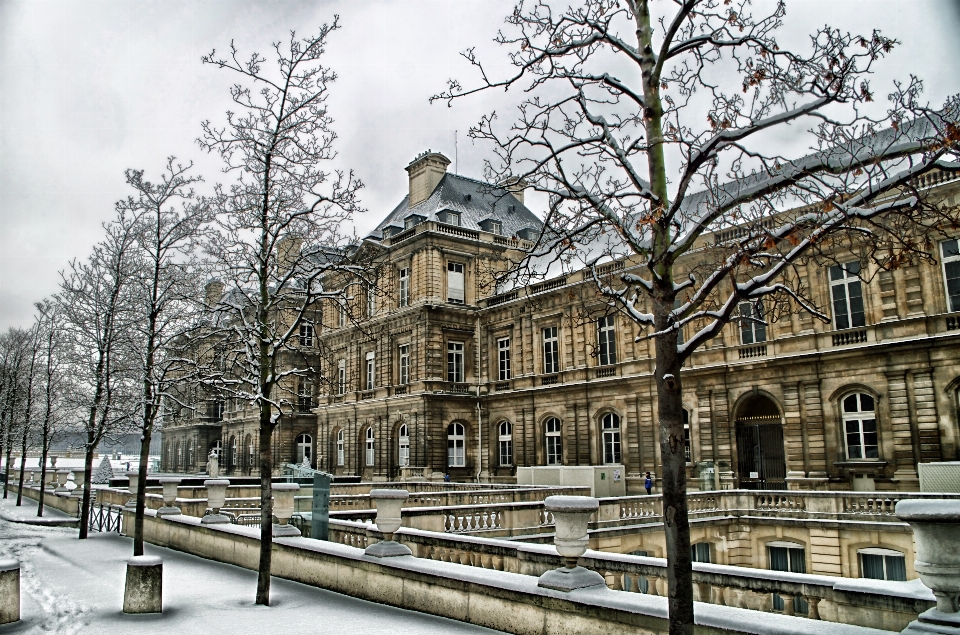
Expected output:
{"points": [[32, 343], [280, 230], [97, 314], [167, 217], [49, 323], [12, 345], [651, 126]]}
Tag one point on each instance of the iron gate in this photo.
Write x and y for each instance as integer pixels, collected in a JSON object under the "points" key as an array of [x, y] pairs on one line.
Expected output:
{"points": [[760, 453]]}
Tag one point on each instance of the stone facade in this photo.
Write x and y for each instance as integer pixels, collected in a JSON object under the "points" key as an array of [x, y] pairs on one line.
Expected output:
{"points": [[766, 409]]}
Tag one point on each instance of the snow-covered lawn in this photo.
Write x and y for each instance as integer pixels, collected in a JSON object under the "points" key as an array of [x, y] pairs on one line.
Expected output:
{"points": [[74, 587]]}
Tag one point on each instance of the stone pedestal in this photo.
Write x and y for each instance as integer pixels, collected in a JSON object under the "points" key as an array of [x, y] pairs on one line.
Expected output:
{"points": [[283, 506], [9, 591], [169, 508], [62, 482], [143, 591], [389, 503], [571, 515], [134, 477], [216, 497]]}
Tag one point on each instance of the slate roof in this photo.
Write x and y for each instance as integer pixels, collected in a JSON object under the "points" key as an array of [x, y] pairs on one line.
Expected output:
{"points": [[474, 200]]}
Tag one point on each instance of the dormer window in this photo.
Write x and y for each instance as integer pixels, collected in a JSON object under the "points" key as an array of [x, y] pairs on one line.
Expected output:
{"points": [[527, 233], [492, 225], [391, 230], [412, 221], [450, 218]]}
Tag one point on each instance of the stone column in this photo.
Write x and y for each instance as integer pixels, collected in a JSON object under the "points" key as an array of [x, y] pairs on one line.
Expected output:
{"points": [[898, 407], [813, 424], [793, 436], [143, 590], [9, 591]]}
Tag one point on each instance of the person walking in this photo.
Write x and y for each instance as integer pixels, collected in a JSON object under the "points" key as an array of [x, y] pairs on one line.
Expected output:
{"points": [[648, 484]]}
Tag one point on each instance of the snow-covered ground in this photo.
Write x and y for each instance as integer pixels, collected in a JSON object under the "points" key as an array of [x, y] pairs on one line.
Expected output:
{"points": [[73, 587]]}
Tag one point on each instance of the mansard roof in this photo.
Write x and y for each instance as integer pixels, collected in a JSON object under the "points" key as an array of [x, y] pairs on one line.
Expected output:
{"points": [[474, 200]]}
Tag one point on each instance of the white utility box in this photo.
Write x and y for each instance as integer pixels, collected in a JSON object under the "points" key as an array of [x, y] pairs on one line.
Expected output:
{"points": [[940, 477], [603, 480]]}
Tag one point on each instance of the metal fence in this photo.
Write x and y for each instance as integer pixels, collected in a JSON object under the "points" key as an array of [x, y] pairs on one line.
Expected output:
{"points": [[105, 517]]}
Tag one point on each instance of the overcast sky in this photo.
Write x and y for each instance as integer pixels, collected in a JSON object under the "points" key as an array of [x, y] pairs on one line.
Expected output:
{"points": [[90, 88]]}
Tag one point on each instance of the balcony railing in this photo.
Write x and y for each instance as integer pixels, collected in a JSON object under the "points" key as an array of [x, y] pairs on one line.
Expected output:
{"points": [[606, 371], [843, 338], [459, 389], [366, 394], [549, 380], [953, 323], [501, 386], [400, 390], [749, 352]]}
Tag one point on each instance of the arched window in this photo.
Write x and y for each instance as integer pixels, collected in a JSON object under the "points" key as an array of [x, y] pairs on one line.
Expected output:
{"points": [[700, 552], [860, 426], [340, 451], [455, 445], [304, 448], [554, 443], [369, 447], [403, 453], [190, 453], [611, 438], [248, 442], [179, 455], [505, 442], [217, 448], [233, 451]]}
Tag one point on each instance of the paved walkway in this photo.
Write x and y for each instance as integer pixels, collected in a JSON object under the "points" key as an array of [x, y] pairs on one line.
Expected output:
{"points": [[74, 587]]}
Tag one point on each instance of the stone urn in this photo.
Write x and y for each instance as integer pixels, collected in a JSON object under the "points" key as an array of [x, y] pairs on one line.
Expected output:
{"points": [[388, 502], [134, 477], [936, 533], [283, 507], [62, 482], [53, 461], [51, 477], [216, 497], [169, 508], [571, 515]]}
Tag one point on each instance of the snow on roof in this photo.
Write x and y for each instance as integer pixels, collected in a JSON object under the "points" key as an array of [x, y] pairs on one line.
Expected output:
{"points": [[474, 200]]}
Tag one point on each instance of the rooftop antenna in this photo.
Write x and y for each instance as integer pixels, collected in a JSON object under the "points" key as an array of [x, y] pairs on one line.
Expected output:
{"points": [[456, 157]]}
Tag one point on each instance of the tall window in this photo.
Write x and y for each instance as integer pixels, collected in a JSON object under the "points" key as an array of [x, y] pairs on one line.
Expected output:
{"points": [[341, 313], [371, 300], [304, 448], [860, 427], [179, 455], [606, 336], [551, 351], [371, 370], [752, 328], [455, 445], [304, 394], [306, 335], [687, 455], [455, 282], [217, 448], [700, 552], [404, 364], [233, 452], [341, 376], [370, 454], [503, 358], [950, 250], [554, 443], [403, 452], [505, 442], [882, 564], [847, 294], [785, 556], [611, 438], [189, 452], [341, 454], [404, 287], [455, 361]]}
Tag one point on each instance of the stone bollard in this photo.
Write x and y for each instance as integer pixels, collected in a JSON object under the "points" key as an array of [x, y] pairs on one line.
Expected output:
{"points": [[9, 591], [388, 502], [571, 515], [283, 505], [143, 591], [936, 533], [134, 476], [169, 496], [216, 497]]}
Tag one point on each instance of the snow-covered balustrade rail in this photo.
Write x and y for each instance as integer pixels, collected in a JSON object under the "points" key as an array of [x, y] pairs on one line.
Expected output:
{"points": [[874, 603]]}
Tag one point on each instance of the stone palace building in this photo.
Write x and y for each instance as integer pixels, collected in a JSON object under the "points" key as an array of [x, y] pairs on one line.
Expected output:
{"points": [[433, 372]]}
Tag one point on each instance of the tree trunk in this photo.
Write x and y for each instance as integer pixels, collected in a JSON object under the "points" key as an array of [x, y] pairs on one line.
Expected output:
{"points": [[141, 491], [87, 478], [23, 460], [43, 475], [6, 487], [266, 505], [674, 486]]}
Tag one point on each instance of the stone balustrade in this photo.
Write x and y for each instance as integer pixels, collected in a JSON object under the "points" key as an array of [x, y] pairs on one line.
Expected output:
{"points": [[873, 603]]}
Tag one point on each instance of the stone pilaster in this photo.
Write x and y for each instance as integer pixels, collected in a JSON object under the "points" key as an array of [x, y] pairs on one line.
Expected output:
{"points": [[793, 433], [705, 440], [905, 463], [813, 423], [925, 408]]}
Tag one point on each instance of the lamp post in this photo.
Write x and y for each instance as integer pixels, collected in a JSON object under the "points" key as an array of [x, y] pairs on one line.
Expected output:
{"points": [[571, 515]]}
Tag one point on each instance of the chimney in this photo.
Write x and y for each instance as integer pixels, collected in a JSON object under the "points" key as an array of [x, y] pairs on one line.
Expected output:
{"points": [[516, 186], [425, 172], [213, 293]]}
